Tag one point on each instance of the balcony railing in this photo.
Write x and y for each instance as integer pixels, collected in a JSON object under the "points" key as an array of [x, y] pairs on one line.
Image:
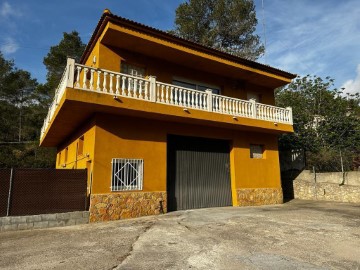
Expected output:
{"points": [[148, 89]]}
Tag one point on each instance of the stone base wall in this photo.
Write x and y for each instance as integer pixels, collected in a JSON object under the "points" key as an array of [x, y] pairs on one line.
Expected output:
{"points": [[43, 221], [122, 205], [307, 190], [259, 196]]}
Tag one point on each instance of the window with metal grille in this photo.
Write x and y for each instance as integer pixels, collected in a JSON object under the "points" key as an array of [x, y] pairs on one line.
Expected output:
{"points": [[127, 174]]}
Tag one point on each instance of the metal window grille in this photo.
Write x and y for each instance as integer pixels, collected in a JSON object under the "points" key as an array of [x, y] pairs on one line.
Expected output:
{"points": [[127, 174]]}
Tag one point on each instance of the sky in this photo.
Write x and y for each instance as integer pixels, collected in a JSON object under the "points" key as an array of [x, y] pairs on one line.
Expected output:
{"points": [[316, 37]]}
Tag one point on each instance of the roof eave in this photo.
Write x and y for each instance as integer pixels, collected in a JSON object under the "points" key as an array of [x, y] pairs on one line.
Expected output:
{"points": [[106, 17]]}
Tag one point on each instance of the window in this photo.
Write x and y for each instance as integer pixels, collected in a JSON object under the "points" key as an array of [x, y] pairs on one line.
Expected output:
{"points": [[127, 174], [81, 146], [251, 95], [66, 154], [196, 86], [132, 70], [256, 151], [59, 158]]}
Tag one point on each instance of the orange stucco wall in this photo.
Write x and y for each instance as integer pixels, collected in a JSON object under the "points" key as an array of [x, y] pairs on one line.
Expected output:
{"points": [[69, 155], [129, 137], [110, 58], [130, 130]]}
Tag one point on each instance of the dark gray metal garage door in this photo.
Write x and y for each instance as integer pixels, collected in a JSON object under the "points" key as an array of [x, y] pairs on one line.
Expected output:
{"points": [[198, 173]]}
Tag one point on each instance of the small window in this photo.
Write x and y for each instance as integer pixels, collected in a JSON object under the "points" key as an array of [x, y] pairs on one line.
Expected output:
{"points": [[59, 158], [132, 70], [66, 155], [256, 151], [127, 174], [81, 146]]}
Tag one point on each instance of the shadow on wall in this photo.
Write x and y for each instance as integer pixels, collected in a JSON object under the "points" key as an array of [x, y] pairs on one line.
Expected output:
{"points": [[292, 163]]}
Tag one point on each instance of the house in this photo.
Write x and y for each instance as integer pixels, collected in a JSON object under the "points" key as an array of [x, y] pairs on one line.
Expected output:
{"points": [[163, 124]]}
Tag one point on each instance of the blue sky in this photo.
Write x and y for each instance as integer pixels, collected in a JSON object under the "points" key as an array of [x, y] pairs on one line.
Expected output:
{"points": [[319, 37]]}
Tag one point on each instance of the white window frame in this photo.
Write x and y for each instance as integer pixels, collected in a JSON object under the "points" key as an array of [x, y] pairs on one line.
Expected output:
{"points": [[132, 69], [127, 174], [200, 86]]}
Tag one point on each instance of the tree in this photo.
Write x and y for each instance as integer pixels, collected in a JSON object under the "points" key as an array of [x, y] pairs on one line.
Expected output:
{"points": [[227, 25], [16, 95], [55, 61], [21, 118], [24, 104], [325, 121]]}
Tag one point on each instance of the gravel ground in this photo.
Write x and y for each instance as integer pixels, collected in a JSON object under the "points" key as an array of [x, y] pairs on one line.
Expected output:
{"points": [[295, 235]]}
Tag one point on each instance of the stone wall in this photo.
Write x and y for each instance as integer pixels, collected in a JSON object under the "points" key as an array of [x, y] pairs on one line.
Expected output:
{"points": [[43, 221], [308, 190], [122, 205], [259, 196], [349, 178]]}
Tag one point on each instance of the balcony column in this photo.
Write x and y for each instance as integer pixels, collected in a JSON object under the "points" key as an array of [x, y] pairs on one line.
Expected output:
{"points": [[209, 100], [290, 115], [253, 108], [152, 80], [70, 70]]}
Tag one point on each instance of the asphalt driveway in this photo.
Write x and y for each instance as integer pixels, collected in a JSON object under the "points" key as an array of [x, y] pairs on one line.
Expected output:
{"points": [[295, 235]]}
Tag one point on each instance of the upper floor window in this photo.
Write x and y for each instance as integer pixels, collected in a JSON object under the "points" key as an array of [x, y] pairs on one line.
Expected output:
{"points": [[195, 85], [133, 70], [253, 95]]}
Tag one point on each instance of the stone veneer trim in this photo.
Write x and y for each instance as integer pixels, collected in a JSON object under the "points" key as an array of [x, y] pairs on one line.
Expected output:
{"points": [[122, 205], [259, 196]]}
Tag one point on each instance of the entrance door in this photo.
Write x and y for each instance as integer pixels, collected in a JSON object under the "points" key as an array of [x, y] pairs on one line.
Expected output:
{"points": [[198, 173]]}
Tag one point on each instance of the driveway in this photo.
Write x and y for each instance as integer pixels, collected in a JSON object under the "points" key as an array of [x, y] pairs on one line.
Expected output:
{"points": [[295, 235]]}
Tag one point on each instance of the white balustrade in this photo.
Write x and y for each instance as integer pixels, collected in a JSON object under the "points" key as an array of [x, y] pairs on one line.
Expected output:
{"points": [[274, 114], [105, 81], [232, 106], [181, 96], [118, 84], [66, 80]]}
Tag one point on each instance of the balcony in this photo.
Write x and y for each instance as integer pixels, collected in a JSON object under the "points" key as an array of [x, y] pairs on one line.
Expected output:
{"points": [[118, 85]]}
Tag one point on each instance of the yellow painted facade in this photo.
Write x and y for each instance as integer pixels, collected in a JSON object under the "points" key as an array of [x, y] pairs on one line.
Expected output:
{"points": [[89, 128]]}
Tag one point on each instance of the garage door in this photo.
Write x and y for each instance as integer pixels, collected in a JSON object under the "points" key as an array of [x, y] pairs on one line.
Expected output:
{"points": [[198, 172]]}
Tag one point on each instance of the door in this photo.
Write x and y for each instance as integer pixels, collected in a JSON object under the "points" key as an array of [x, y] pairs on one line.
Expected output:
{"points": [[198, 173]]}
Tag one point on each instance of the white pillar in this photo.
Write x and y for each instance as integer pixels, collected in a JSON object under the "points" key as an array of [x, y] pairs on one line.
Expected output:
{"points": [[152, 88], [209, 94], [70, 66], [253, 107], [290, 115]]}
